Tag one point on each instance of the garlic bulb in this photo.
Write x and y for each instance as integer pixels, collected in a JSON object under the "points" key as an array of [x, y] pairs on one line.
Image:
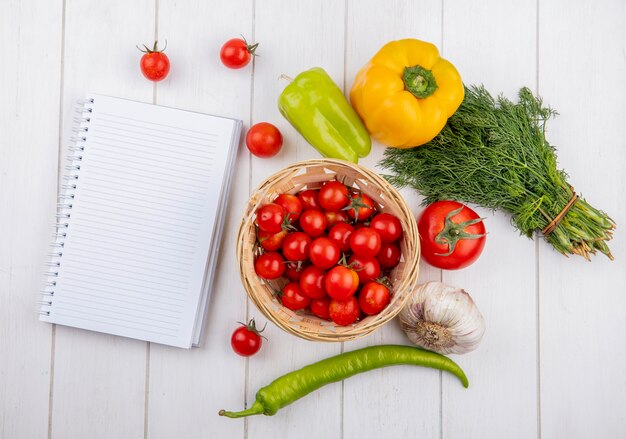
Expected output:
{"points": [[443, 319]]}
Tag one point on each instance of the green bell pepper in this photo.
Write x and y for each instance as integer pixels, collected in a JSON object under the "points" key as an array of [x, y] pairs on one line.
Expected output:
{"points": [[317, 108]]}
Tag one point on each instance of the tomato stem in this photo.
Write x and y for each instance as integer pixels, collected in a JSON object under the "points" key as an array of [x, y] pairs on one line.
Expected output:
{"points": [[453, 232]]}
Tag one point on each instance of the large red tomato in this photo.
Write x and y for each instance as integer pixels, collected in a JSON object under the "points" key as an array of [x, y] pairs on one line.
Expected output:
{"points": [[452, 235]]}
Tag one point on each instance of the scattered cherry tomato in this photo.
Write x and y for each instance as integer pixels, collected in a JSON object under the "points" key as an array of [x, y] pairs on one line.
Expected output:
{"points": [[333, 196], [291, 204], [294, 270], [155, 65], [333, 218], [373, 298], [365, 242], [270, 218], [270, 265], [271, 241], [367, 268], [319, 307], [452, 235], [388, 227], [324, 253], [296, 246], [341, 282], [237, 53], [389, 255], [264, 140], [344, 312], [310, 200], [361, 206], [293, 298], [246, 339], [312, 282], [340, 233], [313, 222]]}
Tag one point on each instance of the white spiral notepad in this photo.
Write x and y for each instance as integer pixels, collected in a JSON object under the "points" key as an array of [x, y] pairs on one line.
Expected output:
{"points": [[140, 220]]}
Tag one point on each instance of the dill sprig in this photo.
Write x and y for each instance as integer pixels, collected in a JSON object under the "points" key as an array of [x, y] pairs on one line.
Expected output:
{"points": [[494, 153]]}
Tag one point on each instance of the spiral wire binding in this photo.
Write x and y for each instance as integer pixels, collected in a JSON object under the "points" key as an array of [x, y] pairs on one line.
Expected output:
{"points": [[64, 206]]}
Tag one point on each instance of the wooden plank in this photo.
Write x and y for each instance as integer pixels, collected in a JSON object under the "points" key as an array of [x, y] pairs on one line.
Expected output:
{"points": [[188, 388], [378, 403], [493, 42], [28, 173], [99, 383], [581, 74], [307, 34]]}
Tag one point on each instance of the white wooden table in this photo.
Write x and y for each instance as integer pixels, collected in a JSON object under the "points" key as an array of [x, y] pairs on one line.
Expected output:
{"points": [[553, 360]]}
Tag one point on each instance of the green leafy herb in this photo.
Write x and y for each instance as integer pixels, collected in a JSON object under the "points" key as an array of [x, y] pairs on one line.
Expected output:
{"points": [[494, 153]]}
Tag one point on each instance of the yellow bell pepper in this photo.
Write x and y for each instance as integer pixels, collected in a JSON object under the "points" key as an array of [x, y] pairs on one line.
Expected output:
{"points": [[406, 93]]}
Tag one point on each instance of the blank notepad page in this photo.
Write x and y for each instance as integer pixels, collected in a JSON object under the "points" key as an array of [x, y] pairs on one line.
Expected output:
{"points": [[141, 219]]}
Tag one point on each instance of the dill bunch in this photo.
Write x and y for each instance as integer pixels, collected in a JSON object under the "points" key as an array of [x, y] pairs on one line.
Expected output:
{"points": [[494, 153]]}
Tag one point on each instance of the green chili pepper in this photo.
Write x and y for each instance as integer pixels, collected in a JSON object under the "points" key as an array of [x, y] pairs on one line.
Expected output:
{"points": [[292, 386], [317, 108]]}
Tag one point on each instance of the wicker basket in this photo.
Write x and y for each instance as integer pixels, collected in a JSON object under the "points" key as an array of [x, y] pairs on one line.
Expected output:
{"points": [[312, 174]]}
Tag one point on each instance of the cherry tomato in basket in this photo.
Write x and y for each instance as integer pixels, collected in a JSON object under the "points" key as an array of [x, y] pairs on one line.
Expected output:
{"points": [[333, 196], [344, 312], [312, 282], [389, 255], [373, 298], [293, 298], [271, 241], [237, 53], [388, 227], [319, 307], [333, 218], [365, 242], [154, 64], [270, 265], [270, 218], [310, 199], [341, 282], [313, 222], [361, 206], [291, 204], [452, 235], [247, 339], [324, 253], [367, 268], [264, 140], [340, 233], [296, 246], [294, 270]]}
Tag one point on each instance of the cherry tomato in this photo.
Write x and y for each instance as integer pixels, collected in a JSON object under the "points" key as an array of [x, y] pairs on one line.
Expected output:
{"points": [[246, 339], [333, 196], [270, 265], [389, 255], [344, 312], [388, 227], [270, 218], [365, 242], [310, 199], [341, 282], [313, 222], [333, 218], [373, 298], [264, 140], [237, 53], [294, 270], [271, 241], [340, 233], [312, 282], [367, 268], [319, 307], [361, 206], [456, 244], [293, 298], [154, 64], [291, 204], [324, 253], [296, 246]]}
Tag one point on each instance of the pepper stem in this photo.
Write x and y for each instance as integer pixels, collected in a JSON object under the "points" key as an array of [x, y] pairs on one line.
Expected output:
{"points": [[419, 81], [255, 409]]}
